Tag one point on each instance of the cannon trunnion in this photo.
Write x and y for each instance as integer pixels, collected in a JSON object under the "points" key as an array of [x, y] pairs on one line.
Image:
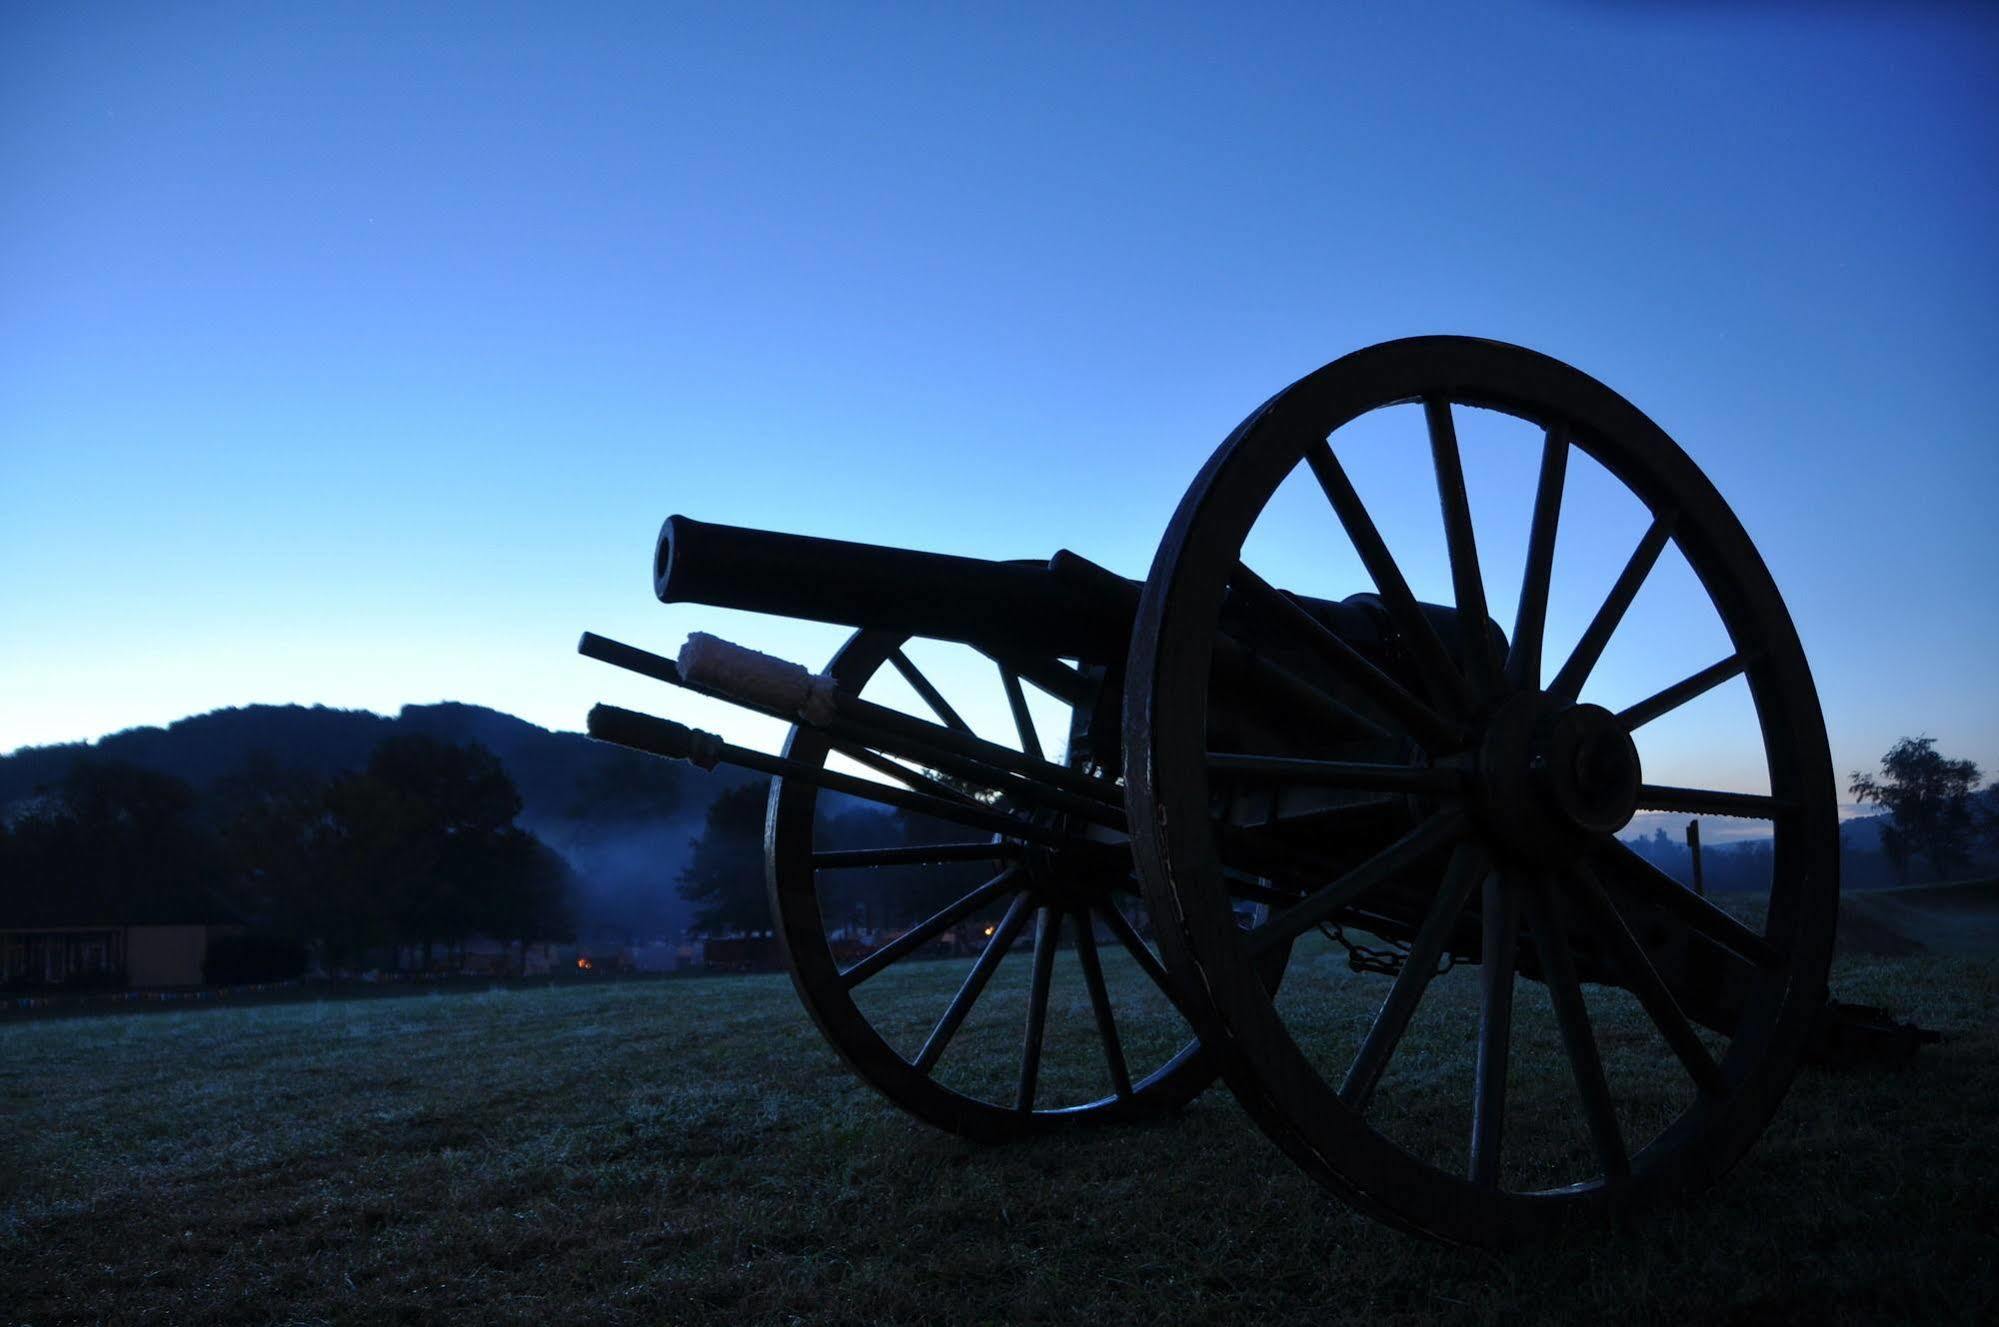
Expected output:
{"points": [[1238, 804]]}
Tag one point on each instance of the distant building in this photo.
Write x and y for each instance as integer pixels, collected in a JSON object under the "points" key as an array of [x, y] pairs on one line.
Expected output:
{"points": [[106, 957], [752, 951], [480, 955]]}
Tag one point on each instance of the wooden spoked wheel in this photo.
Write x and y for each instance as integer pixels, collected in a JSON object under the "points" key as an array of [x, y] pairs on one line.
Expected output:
{"points": [[988, 1043], [1512, 786]]}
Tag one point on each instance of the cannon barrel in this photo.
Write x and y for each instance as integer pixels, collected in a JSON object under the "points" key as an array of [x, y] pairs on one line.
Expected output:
{"points": [[1066, 607]]}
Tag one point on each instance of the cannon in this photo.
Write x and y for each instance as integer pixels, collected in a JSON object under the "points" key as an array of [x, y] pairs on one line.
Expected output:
{"points": [[1252, 781]]}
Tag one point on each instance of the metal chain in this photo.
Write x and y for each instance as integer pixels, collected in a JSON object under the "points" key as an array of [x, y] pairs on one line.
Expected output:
{"points": [[1389, 962]]}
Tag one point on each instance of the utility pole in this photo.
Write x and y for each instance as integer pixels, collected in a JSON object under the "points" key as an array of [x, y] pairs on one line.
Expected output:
{"points": [[1694, 848]]}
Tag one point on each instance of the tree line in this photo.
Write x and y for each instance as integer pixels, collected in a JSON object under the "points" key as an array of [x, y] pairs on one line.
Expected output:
{"points": [[419, 847]]}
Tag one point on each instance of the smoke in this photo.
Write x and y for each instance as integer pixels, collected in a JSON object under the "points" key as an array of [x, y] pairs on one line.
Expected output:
{"points": [[626, 873]]}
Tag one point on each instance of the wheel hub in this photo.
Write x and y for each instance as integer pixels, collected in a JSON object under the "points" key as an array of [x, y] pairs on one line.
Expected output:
{"points": [[1553, 775], [1072, 879]]}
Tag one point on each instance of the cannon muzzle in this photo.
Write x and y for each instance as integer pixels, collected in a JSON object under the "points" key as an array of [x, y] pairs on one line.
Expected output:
{"points": [[1066, 607]]}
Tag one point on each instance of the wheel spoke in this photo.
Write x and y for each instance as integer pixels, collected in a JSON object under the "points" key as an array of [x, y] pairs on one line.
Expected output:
{"points": [[1100, 1003], [1681, 692], [1066, 684], [1644, 981], [997, 945], [1047, 934], [1428, 727], [1371, 874], [1530, 622], [1467, 584], [1023, 722], [1709, 802], [1653, 886], [1364, 775], [1369, 817], [1568, 683], [1467, 867], [1432, 660], [929, 929], [1558, 969], [1498, 948], [1128, 936], [931, 695], [915, 854]]}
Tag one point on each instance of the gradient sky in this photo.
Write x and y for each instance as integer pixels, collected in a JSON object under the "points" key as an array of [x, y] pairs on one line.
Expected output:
{"points": [[352, 354]]}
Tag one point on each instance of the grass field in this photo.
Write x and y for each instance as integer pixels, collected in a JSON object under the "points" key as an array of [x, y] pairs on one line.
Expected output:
{"points": [[691, 1151]]}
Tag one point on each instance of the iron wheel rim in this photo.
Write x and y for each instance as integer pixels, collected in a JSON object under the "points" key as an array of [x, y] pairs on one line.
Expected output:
{"points": [[1165, 736], [816, 971]]}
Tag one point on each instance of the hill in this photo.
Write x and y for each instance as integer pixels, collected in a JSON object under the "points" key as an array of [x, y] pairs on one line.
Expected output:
{"points": [[624, 821]]}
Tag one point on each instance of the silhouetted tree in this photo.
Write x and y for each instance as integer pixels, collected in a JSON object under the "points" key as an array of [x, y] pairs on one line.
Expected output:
{"points": [[113, 844], [15, 884], [724, 878], [909, 894], [414, 843], [1928, 795], [528, 892], [859, 896], [906, 894], [922, 890], [418, 847], [373, 854], [1895, 847], [1665, 852], [273, 824]]}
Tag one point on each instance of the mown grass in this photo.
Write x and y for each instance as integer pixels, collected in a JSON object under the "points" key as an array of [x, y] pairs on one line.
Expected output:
{"points": [[692, 1151]]}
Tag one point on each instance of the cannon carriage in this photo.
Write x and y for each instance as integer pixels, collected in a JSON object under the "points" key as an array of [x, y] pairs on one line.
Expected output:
{"points": [[1246, 779]]}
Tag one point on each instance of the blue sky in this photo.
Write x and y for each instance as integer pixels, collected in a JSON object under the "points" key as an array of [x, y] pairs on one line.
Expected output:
{"points": [[352, 354]]}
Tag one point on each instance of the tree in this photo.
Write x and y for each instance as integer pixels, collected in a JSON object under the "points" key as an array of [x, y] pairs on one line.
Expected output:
{"points": [[273, 825], [724, 877], [858, 896], [113, 844], [1895, 847], [528, 893], [414, 843], [1929, 797], [1665, 852]]}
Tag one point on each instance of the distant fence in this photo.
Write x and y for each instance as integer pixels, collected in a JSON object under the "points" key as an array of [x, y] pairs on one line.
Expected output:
{"points": [[110, 999]]}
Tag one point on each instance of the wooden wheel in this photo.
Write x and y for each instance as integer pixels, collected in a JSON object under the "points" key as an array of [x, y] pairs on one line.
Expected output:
{"points": [[971, 1042], [1495, 791]]}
